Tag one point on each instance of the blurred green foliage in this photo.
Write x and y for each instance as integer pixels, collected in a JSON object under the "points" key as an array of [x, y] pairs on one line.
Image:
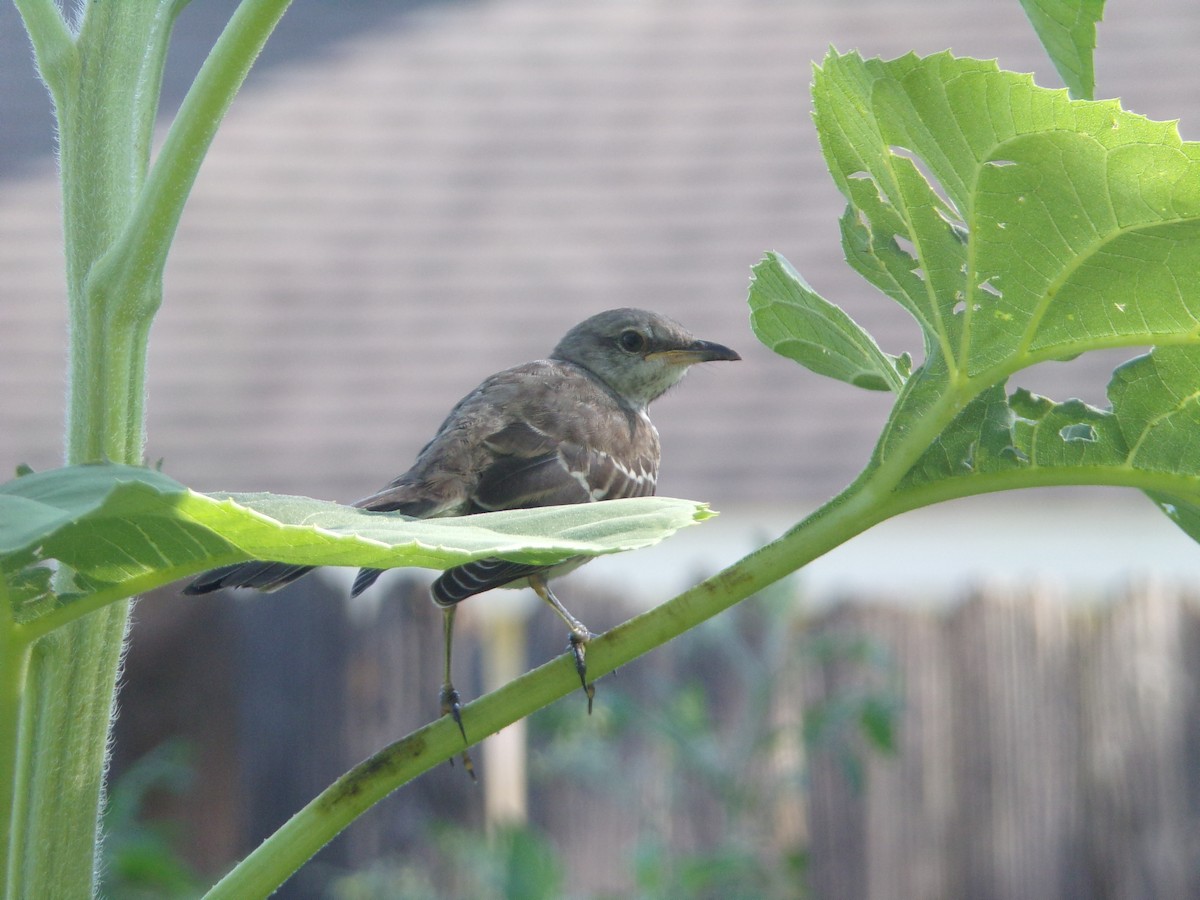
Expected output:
{"points": [[140, 859]]}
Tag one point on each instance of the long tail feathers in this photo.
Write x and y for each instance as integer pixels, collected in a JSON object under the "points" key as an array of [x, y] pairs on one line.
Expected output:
{"points": [[363, 580], [262, 576]]}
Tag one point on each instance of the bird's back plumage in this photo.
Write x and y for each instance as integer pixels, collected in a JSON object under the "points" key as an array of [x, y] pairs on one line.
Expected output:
{"points": [[518, 441]]}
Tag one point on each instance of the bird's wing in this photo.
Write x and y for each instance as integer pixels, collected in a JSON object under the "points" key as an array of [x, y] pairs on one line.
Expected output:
{"points": [[527, 467], [531, 467], [542, 434]]}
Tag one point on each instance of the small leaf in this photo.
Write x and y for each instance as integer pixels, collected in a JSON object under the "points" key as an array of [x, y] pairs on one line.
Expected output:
{"points": [[1156, 398], [1157, 401], [790, 318], [1067, 30]]}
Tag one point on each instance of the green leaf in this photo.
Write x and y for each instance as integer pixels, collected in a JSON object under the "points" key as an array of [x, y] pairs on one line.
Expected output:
{"points": [[793, 320], [122, 529], [1017, 226], [1067, 30]]}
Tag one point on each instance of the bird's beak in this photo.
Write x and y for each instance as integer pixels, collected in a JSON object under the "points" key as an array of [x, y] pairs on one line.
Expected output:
{"points": [[695, 352]]}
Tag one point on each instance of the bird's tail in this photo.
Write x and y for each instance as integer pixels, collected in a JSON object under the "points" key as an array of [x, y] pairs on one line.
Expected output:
{"points": [[262, 576], [363, 580]]}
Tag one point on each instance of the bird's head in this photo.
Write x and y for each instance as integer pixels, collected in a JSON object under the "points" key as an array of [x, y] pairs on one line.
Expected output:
{"points": [[638, 354]]}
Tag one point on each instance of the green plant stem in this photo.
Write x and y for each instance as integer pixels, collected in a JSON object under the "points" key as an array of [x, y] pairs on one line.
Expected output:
{"points": [[53, 44], [105, 121], [105, 114], [69, 698], [132, 268], [118, 225]]}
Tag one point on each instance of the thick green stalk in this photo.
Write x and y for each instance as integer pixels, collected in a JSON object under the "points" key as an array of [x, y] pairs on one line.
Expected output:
{"points": [[106, 102], [118, 225], [105, 120]]}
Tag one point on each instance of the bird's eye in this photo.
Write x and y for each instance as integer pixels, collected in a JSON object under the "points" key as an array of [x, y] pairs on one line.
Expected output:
{"points": [[632, 341]]}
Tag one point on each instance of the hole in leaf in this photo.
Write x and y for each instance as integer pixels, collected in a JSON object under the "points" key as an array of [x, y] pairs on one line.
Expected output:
{"points": [[958, 226], [1000, 163], [968, 461], [947, 210], [1080, 431], [905, 245], [988, 288], [1086, 377], [959, 308], [1016, 453]]}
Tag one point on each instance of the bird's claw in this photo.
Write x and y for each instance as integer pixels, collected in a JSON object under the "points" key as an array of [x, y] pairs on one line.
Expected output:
{"points": [[452, 706], [578, 643]]}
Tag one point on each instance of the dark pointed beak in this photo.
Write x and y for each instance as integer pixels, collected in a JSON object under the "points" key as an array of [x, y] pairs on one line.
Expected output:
{"points": [[697, 352]]}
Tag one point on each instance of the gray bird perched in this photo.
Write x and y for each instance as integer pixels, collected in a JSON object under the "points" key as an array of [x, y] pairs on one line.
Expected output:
{"points": [[569, 429]]}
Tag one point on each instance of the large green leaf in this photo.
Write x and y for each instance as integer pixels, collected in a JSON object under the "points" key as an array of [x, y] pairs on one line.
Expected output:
{"points": [[1067, 29], [1017, 226], [122, 529]]}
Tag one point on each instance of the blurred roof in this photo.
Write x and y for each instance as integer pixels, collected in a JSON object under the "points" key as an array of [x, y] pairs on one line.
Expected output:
{"points": [[407, 197]]}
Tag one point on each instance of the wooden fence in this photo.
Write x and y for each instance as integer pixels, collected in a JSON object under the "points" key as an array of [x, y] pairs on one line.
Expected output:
{"points": [[1040, 748], [1044, 751]]}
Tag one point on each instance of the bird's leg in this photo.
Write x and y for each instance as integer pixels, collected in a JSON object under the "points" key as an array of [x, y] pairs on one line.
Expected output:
{"points": [[451, 705], [579, 634]]}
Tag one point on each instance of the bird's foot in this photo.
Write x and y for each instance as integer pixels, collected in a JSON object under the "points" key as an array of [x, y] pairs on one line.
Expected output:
{"points": [[452, 706], [578, 643]]}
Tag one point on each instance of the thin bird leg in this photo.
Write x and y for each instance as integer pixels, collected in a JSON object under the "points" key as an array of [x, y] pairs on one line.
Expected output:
{"points": [[450, 702], [579, 634]]}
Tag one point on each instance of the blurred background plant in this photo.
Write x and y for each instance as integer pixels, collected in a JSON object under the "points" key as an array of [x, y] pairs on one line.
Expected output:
{"points": [[141, 851], [705, 741]]}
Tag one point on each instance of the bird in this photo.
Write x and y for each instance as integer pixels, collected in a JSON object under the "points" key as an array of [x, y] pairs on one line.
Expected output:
{"points": [[571, 428]]}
